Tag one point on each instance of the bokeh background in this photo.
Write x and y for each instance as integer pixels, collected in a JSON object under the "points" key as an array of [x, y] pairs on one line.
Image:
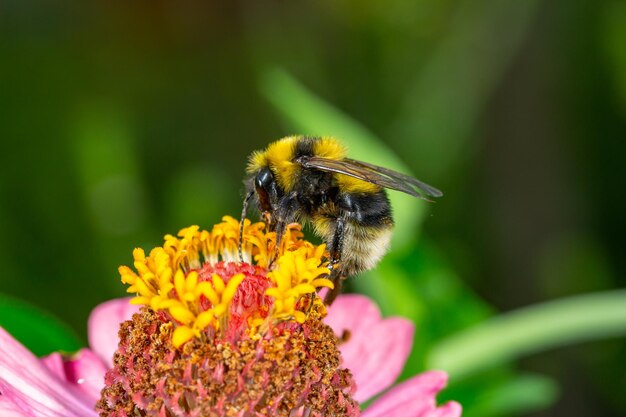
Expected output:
{"points": [[122, 121]]}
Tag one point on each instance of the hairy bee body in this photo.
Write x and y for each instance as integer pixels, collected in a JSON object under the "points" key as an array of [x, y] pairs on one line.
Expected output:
{"points": [[310, 179], [364, 244]]}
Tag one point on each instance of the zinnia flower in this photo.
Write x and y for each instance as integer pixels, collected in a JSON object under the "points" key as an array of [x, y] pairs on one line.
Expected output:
{"points": [[216, 337]]}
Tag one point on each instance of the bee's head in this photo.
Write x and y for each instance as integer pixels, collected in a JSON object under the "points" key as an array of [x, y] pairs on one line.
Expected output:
{"points": [[281, 157]]}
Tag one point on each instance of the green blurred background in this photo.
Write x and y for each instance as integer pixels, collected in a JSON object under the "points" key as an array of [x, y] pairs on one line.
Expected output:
{"points": [[122, 122]]}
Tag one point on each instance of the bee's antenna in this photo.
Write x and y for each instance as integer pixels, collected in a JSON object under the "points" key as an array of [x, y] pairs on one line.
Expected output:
{"points": [[244, 212]]}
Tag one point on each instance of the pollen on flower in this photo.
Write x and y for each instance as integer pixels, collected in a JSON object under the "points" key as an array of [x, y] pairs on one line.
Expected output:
{"points": [[219, 337], [295, 276], [175, 277]]}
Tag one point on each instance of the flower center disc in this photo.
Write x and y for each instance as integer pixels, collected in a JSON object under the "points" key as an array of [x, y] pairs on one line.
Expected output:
{"points": [[219, 338]]}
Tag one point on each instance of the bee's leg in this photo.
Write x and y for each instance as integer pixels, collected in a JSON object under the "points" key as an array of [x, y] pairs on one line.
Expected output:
{"points": [[281, 226], [244, 211], [336, 247], [332, 294], [284, 214]]}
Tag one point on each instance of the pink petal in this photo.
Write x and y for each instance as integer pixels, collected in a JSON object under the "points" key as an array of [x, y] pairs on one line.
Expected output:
{"points": [[377, 348], [104, 323], [353, 312], [449, 409], [414, 398], [54, 362], [84, 370], [8, 408], [27, 384]]}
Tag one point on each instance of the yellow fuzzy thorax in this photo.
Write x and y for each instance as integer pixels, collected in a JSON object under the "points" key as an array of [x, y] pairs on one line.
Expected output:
{"points": [[278, 156]]}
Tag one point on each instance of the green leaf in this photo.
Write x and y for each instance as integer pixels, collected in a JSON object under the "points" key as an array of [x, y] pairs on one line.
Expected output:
{"points": [[310, 115], [38, 330], [530, 330]]}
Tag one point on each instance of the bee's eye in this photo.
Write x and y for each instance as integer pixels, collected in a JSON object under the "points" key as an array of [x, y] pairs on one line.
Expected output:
{"points": [[264, 178]]}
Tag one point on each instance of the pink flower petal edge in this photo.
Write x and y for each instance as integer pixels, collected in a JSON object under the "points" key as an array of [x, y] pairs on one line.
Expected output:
{"points": [[104, 324], [29, 388], [54, 385], [414, 398], [377, 348], [84, 370]]}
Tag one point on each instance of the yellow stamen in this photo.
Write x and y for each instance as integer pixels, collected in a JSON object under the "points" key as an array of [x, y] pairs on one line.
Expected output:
{"points": [[168, 278], [295, 276], [181, 335]]}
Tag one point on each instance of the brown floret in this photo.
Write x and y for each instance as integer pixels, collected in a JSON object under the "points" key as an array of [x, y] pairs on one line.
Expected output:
{"points": [[290, 368]]}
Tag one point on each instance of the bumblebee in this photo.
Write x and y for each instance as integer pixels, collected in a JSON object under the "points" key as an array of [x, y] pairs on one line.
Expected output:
{"points": [[310, 179]]}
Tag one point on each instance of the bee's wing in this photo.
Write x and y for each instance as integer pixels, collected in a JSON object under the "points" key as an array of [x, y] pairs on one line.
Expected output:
{"points": [[422, 186], [371, 173]]}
